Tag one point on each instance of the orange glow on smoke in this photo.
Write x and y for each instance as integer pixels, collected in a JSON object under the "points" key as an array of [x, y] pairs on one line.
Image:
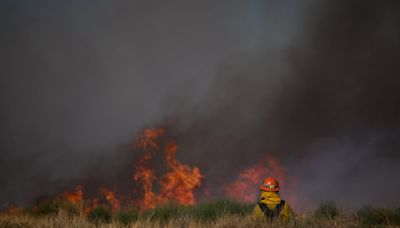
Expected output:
{"points": [[245, 186], [111, 198], [177, 184], [73, 197], [89, 205], [149, 137]]}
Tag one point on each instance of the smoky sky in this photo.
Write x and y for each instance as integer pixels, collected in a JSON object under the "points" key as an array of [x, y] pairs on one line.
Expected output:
{"points": [[312, 83]]}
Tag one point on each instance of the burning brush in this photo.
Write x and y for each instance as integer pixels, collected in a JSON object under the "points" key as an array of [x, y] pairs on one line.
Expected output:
{"points": [[158, 178], [177, 184]]}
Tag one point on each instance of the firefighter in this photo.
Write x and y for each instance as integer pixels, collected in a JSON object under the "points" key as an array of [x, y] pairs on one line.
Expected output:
{"points": [[271, 207]]}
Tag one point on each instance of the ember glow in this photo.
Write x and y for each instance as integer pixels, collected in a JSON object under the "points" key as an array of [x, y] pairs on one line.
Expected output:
{"points": [[111, 198], [75, 196], [245, 187]]}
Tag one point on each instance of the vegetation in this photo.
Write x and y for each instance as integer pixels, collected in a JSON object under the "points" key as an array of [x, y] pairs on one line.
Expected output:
{"points": [[201, 212], [326, 209], [53, 207], [100, 214], [379, 216], [219, 213]]}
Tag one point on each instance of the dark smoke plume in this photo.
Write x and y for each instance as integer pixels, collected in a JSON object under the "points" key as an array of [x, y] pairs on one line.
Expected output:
{"points": [[312, 83], [326, 106]]}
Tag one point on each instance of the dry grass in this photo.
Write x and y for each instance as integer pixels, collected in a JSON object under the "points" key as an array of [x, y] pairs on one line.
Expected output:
{"points": [[219, 213], [65, 220]]}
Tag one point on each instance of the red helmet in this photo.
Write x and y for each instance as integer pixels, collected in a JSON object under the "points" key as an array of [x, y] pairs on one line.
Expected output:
{"points": [[270, 185]]}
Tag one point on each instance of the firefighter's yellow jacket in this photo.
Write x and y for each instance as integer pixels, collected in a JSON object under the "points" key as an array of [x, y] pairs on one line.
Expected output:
{"points": [[272, 199]]}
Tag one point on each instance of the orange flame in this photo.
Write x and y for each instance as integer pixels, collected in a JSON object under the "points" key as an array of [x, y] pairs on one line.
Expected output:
{"points": [[178, 184], [77, 197], [245, 187], [90, 205], [111, 198], [145, 175], [149, 137], [73, 197]]}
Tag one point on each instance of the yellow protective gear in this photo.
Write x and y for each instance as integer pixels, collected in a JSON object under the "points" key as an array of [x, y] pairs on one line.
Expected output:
{"points": [[272, 199]]}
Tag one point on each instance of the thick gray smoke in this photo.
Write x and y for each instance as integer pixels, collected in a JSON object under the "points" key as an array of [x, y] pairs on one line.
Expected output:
{"points": [[314, 84], [326, 106]]}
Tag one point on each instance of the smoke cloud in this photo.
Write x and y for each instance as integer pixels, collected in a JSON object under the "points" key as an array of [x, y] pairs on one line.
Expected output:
{"points": [[326, 106], [312, 83]]}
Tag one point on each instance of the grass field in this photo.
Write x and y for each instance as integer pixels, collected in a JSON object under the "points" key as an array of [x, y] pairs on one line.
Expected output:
{"points": [[220, 213]]}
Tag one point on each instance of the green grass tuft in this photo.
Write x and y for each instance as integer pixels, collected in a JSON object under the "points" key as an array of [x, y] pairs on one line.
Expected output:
{"points": [[52, 207], [203, 211], [219, 208], [220, 213], [326, 209], [9, 224], [100, 214], [166, 212], [126, 217], [379, 216]]}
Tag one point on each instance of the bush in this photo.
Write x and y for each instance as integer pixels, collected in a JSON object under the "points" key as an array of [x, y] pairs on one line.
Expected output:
{"points": [[71, 209], [203, 211], [219, 208], [126, 217], [45, 208], [166, 212], [52, 207], [8, 224], [326, 209], [379, 216], [100, 214]]}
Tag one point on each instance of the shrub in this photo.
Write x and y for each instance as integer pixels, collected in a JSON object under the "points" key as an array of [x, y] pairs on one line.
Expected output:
{"points": [[52, 207], [203, 211], [326, 209], [219, 208], [166, 212], [8, 224], [45, 208], [72, 209], [126, 217], [100, 214], [379, 216]]}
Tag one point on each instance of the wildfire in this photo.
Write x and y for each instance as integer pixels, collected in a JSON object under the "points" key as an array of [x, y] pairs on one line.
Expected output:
{"points": [[111, 198], [149, 137], [145, 175], [74, 196], [177, 184], [161, 181], [245, 187], [77, 197]]}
